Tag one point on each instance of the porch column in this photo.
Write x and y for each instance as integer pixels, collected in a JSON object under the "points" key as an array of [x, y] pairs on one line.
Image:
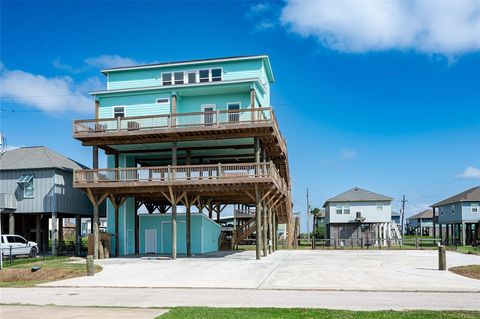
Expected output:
{"points": [[464, 234], [95, 208], [78, 235], [188, 227], [115, 207], [173, 121], [60, 232], [270, 242], [11, 224], [54, 234], [275, 232], [252, 103], [258, 209], [38, 227], [174, 203], [265, 230]]}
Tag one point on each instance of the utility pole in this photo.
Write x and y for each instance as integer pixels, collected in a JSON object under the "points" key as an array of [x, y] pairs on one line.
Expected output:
{"points": [[308, 217], [403, 213]]}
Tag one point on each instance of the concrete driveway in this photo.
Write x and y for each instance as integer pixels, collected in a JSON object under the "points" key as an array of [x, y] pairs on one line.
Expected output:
{"points": [[367, 270]]}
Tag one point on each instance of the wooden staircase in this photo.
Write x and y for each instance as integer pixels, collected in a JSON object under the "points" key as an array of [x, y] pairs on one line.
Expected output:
{"points": [[245, 230]]}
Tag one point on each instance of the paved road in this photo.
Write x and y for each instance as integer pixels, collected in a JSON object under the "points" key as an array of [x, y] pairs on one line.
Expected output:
{"points": [[323, 270], [167, 297], [35, 312]]}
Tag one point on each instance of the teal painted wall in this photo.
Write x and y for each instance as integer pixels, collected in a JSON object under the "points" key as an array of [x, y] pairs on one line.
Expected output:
{"points": [[234, 70], [204, 233]]}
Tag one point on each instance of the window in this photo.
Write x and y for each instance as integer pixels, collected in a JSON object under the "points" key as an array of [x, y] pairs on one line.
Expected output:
{"points": [[339, 209], [11, 239], [441, 210], [216, 75], [346, 209], [166, 78], [204, 75], [379, 206], [20, 240], [178, 77], [118, 111], [192, 77], [26, 182], [474, 207], [233, 116], [162, 101], [453, 209]]}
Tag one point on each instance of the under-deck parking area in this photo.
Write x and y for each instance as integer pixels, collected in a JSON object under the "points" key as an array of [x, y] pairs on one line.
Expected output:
{"points": [[291, 270]]}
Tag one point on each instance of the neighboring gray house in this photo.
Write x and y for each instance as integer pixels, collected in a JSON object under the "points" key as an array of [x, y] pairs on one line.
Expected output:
{"points": [[458, 217], [39, 183], [360, 216], [421, 224], [396, 217]]}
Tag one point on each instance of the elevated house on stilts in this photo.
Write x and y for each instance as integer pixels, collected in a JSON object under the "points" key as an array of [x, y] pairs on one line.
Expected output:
{"points": [[193, 134]]}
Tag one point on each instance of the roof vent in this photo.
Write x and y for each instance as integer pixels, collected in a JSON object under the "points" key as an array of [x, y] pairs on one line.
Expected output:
{"points": [[355, 189]]}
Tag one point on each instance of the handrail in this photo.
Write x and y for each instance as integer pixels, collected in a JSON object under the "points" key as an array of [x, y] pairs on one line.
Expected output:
{"points": [[180, 173], [179, 120]]}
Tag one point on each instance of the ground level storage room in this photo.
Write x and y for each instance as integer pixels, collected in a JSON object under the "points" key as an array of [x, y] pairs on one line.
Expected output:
{"points": [[156, 234]]}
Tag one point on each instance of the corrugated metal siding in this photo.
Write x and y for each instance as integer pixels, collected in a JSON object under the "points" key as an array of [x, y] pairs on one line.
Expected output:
{"points": [[69, 199], [42, 183], [234, 70], [53, 192]]}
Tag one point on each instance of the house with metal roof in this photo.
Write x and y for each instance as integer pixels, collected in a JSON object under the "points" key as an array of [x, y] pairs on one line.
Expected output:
{"points": [[421, 224], [358, 217], [36, 186], [458, 217]]}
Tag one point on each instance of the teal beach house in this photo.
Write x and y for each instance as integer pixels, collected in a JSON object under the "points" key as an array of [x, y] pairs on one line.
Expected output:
{"points": [[184, 140]]}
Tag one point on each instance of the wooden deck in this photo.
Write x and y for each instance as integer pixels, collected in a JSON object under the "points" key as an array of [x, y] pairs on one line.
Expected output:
{"points": [[197, 126], [225, 183]]}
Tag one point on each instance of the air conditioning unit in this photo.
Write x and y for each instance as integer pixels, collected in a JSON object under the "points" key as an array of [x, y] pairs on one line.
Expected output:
{"points": [[359, 217], [7, 201]]}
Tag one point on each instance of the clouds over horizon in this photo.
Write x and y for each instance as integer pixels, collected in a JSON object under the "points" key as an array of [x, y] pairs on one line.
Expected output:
{"points": [[446, 28], [470, 172], [50, 94]]}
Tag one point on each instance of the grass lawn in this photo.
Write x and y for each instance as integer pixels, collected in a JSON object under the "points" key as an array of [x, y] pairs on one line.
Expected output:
{"points": [[471, 271], [275, 313], [19, 274]]}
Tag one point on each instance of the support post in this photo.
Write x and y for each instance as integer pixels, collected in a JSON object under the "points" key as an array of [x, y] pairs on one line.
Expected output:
{"points": [[187, 231], [174, 230], [54, 234], [258, 223], [442, 258], [270, 249], [264, 229], [11, 223], [60, 233], [95, 231], [78, 235], [38, 228], [464, 234], [275, 232]]}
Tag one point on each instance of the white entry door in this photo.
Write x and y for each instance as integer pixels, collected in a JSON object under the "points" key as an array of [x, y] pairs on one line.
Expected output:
{"points": [[150, 241]]}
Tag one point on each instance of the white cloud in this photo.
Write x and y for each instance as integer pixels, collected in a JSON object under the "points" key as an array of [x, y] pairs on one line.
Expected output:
{"points": [[449, 27], [106, 61], [469, 172], [49, 94], [347, 154], [259, 7]]}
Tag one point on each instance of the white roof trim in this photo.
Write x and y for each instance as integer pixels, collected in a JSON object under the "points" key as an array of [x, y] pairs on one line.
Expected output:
{"points": [[206, 61], [170, 87]]}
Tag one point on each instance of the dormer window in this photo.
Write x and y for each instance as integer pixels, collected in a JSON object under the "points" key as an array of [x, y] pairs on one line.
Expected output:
{"points": [[204, 75], [178, 77], [166, 78]]}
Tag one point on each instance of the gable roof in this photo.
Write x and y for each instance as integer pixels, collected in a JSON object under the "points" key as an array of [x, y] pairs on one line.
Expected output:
{"points": [[470, 195], [428, 213], [35, 157], [357, 194], [263, 57]]}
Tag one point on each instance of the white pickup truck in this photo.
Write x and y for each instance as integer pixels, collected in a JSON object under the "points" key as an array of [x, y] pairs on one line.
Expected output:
{"points": [[19, 246]]}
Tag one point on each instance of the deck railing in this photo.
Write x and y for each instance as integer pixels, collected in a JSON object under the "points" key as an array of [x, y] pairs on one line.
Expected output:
{"points": [[166, 174], [207, 119]]}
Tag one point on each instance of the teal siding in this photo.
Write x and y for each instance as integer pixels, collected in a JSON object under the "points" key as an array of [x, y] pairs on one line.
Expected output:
{"points": [[204, 233], [135, 104], [194, 103], [234, 70]]}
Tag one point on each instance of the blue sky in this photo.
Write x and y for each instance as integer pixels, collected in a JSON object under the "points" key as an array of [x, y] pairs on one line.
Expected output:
{"points": [[388, 100]]}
